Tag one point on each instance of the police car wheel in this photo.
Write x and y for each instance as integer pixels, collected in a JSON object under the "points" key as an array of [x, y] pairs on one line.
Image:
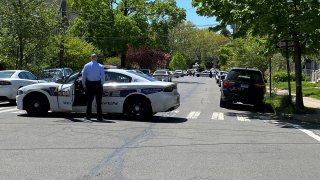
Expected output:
{"points": [[36, 106], [138, 108]]}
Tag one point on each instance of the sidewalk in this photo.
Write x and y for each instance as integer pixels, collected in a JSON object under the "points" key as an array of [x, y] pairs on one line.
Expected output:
{"points": [[308, 102]]}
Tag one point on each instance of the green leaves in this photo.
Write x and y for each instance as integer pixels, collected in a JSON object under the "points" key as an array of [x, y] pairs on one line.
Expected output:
{"points": [[196, 43], [28, 29], [243, 53]]}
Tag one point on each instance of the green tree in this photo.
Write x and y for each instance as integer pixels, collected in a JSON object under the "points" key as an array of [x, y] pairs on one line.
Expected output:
{"points": [[196, 43], [180, 61], [296, 20], [28, 31], [77, 52], [113, 26], [115, 61], [240, 52]]}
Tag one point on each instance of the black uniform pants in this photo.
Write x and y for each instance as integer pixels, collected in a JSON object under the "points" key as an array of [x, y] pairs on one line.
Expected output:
{"points": [[94, 89]]}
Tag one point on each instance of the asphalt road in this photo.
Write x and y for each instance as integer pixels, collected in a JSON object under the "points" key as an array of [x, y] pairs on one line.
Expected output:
{"points": [[199, 140]]}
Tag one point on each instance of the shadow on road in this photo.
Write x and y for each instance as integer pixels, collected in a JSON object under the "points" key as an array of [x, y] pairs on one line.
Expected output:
{"points": [[189, 82], [250, 108], [108, 118]]}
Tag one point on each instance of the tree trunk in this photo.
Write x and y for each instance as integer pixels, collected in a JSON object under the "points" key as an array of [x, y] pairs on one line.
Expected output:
{"points": [[298, 74], [123, 60], [125, 13], [21, 48]]}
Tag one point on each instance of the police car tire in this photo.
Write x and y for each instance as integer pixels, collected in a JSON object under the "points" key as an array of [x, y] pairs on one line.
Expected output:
{"points": [[36, 105], [143, 112]]}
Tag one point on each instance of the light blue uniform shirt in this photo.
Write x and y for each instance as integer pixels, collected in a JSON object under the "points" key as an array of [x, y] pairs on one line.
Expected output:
{"points": [[93, 71]]}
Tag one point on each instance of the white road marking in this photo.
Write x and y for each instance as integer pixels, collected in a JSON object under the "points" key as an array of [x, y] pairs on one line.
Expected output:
{"points": [[19, 111], [243, 118], [193, 115], [8, 110], [2, 108], [217, 116], [309, 133]]}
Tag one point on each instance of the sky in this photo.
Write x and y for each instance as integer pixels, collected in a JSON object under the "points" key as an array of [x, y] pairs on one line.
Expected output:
{"points": [[199, 21]]}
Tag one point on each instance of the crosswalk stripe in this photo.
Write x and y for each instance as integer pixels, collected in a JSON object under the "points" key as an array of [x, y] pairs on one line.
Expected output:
{"points": [[18, 111], [193, 115], [3, 108], [217, 116], [8, 110], [243, 118]]}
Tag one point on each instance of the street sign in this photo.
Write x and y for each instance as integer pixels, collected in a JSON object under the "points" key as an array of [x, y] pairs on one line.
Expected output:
{"points": [[285, 43]]}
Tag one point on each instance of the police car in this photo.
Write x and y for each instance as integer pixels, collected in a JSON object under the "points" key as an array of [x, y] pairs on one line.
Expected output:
{"points": [[125, 91]]}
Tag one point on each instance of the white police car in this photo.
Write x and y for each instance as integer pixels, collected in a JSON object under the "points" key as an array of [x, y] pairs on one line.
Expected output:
{"points": [[125, 91]]}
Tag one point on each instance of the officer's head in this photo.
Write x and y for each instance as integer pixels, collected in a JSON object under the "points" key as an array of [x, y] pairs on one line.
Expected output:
{"points": [[93, 57]]}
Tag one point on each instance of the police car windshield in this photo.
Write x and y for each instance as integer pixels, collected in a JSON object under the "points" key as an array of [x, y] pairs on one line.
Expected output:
{"points": [[142, 75]]}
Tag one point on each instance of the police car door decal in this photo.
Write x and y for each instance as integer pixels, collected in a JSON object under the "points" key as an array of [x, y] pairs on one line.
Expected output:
{"points": [[65, 96]]}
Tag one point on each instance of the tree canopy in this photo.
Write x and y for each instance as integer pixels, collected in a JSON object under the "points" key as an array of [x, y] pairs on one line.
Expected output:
{"points": [[125, 23], [28, 30], [196, 44], [241, 52]]}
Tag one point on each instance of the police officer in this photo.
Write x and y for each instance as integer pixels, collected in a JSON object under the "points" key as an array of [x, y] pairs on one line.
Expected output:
{"points": [[92, 80]]}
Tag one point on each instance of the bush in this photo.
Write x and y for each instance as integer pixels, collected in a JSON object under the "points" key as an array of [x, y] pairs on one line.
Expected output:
{"points": [[281, 104], [282, 76], [115, 61]]}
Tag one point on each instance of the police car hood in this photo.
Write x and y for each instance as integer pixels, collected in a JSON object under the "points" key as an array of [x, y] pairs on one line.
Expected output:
{"points": [[46, 85]]}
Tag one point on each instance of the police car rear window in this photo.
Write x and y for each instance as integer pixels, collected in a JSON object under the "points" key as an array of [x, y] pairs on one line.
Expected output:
{"points": [[142, 75], [245, 75]]}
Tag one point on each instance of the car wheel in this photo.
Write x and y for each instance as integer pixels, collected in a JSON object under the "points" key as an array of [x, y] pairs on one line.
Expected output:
{"points": [[138, 108], [259, 106], [223, 103], [36, 106]]}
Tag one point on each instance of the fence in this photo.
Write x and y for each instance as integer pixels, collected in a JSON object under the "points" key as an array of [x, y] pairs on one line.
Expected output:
{"points": [[315, 77]]}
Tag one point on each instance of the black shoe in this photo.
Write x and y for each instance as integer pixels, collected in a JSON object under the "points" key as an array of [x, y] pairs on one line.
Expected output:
{"points": [[100, 119], [87, 118]]}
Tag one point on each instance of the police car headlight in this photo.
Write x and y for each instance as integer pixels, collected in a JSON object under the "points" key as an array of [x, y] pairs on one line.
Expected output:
{"points": [[20, 92]]}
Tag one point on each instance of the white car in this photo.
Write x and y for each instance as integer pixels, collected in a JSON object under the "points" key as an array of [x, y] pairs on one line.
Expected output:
{"points": [[125, 91], [178, 73], [162, 75], [12, 80]]}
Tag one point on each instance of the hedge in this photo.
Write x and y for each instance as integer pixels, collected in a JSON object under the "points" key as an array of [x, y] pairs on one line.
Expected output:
{"points": [[282, 76]]}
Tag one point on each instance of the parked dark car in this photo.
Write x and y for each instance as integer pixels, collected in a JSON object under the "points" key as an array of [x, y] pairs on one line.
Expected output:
{"points": [[146, 71], [243, 85], [55, 74]]}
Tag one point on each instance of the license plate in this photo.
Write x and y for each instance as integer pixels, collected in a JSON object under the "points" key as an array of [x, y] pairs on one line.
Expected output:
{"points": [[244, 85]]}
